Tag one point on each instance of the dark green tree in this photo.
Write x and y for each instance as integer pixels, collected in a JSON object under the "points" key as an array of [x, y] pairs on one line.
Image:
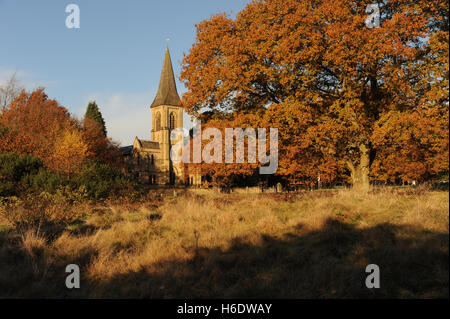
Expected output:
{"points": [[94, 113]]}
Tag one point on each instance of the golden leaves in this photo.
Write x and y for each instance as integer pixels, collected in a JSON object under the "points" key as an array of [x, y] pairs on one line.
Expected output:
{"points": [[69, 152]]}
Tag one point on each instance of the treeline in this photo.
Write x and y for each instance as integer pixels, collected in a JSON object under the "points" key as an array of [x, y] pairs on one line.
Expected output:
{"points": [[43, 149]]}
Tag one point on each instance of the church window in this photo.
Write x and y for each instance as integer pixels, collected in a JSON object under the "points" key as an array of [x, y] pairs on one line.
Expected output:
{"points": [[172, 121]]}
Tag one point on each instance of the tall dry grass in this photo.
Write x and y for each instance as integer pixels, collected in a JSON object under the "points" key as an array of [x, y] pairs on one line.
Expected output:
{"points": [[308, 245]]}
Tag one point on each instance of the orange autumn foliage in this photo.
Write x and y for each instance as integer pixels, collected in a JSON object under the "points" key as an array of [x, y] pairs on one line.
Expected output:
{"points": [[39, 126], [220, 173], [100, 147], [317, 57], [35, 124], [411, 146], [302, 159]]}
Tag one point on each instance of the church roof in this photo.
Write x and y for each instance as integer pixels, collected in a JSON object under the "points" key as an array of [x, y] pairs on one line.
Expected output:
{"points": [[167, 90], [126, 150], [148, 144]]}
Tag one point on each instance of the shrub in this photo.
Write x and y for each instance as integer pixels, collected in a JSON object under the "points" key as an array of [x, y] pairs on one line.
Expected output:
{"points": [[14, 168], [25, 175], [101, 181], [44, 180]]}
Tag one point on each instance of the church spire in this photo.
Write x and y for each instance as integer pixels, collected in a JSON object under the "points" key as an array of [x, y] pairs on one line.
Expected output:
{"points": [[167, 90]]}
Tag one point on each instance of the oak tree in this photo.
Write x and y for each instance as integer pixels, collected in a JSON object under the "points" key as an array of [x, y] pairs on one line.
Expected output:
{"points": [[285, 54]]}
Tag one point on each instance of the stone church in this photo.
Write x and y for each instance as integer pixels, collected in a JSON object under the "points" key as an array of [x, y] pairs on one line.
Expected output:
{"points": [[148, 161]]}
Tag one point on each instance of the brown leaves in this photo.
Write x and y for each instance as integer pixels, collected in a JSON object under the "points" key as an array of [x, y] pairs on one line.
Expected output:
{"points": [[36, 125], [411, 146], [278, 55], [99, 146]]}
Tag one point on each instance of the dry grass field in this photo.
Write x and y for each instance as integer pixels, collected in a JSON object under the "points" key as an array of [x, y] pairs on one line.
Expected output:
{"points": [[306, 245]]}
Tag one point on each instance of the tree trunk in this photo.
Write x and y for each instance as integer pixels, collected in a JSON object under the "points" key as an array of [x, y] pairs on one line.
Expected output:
{"points": [[360, 170]]}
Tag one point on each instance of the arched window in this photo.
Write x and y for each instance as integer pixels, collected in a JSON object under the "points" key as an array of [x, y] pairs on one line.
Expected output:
{"points": [[157, 121], [171, 121], [153, 159]]}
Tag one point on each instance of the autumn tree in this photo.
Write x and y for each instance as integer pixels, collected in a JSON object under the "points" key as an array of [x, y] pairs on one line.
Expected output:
{"points": [[69, 153], [102, 148], [302, 162], [213, 164], [287, 54], [93, 113], [95, 139], [292, 121], [411, 146], [33, 123]]}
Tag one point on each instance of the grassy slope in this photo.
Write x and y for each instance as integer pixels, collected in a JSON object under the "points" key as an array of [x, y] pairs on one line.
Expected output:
{"points": [[311, 245]]}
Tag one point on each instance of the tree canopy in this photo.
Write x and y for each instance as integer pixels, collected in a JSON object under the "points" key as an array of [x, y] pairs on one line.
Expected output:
{"points": [[35, 125], [93, 113], [334, 86]]}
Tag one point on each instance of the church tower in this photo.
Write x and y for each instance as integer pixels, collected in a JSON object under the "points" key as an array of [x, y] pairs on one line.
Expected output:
{"points": [[167, 114]]}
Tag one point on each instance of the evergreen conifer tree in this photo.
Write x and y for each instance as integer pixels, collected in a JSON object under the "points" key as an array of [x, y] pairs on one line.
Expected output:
{"points": [[94, 113]]}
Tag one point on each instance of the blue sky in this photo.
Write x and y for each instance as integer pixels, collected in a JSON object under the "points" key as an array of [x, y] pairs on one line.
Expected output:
{"points": [[115, 57]]}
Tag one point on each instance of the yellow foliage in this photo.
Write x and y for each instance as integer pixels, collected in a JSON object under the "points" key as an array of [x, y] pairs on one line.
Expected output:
{"points": [[69, 152]]}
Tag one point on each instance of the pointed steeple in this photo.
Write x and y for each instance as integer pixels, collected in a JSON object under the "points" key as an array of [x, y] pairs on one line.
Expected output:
{"points": [[167, 90]]}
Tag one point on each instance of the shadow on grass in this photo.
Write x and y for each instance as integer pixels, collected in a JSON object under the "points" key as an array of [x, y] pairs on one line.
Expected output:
{"points": [[328, 263]]}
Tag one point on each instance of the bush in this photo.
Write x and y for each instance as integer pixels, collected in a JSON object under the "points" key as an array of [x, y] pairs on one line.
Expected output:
{"points": [[101, 181], [13, 169], [25, 175], [44, 180]]}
